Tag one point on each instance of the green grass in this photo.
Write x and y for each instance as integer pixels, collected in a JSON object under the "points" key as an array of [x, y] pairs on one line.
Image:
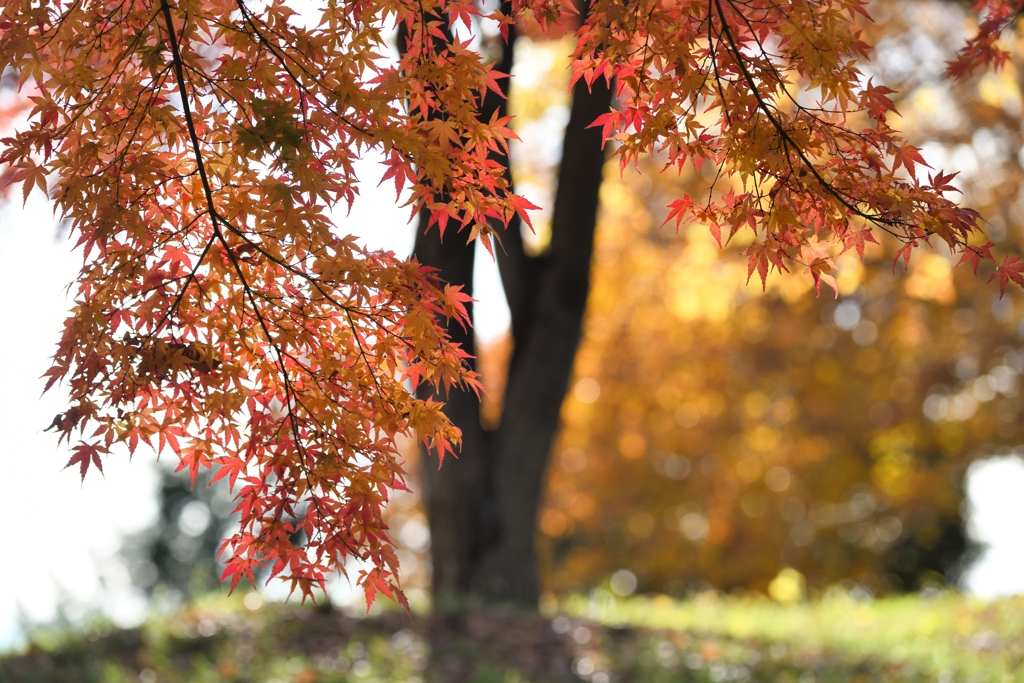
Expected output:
{"points": [[945, 638]]}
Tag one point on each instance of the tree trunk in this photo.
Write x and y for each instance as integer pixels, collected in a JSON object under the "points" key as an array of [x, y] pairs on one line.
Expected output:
{"points": [[482, 508]]}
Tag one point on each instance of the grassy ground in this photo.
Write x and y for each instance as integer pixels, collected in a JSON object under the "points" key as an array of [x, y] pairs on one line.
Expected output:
{"points": [[945, 639]]}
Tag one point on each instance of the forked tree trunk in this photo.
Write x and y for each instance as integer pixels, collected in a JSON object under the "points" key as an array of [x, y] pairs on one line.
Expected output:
{"points": [[482, 508]]}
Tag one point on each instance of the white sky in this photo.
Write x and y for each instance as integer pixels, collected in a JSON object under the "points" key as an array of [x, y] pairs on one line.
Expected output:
{"points": [[995, 494], [60, 537], [55, 532]]}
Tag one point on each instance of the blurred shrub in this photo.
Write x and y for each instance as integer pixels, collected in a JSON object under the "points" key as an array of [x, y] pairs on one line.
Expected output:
{"points": [[176, 559]]}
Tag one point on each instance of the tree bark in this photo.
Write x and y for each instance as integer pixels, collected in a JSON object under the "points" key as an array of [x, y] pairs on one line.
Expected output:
{"points": [[482, 507], [542, 361]]}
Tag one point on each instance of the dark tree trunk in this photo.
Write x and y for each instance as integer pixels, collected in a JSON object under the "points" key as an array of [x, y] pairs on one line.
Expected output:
{"points": [[482, 508]]}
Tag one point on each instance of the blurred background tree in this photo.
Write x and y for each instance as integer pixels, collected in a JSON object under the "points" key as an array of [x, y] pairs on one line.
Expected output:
{"points": [[716, 435], [175, 559]]}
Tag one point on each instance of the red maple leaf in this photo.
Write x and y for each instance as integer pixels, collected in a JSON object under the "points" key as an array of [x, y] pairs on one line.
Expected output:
{"points": [[1012, 270], [974, 255], [86, 454]]}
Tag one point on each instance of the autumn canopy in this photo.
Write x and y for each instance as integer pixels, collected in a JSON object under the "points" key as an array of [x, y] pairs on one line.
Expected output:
{"points": [[196, 149]]}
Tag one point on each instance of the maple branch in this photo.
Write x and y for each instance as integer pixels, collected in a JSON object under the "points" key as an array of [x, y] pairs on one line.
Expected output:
{"points": [[316, 282], [59, 23], [184, 288], [878, 220], [714, 66], [186, 109], [92, 104], [291, 396], [215, 217], [248, 16]]}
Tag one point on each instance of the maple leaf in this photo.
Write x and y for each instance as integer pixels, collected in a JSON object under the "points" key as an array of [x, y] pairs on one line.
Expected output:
{"points": [[982, 49], [820, 270], [1011, 270], [606, 122], [875, 98], [237, 568], [227, 467], [908, 156], [455, 304], [522, 207], [762, 259], [679, 209], [904, 253], [493, 76], [31, 176], [84, 455], [974, 255], [856, 239], [941, 182]]}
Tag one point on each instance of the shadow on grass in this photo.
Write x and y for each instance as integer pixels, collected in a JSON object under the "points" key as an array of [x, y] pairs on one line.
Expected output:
{"points": [[221, 641]]}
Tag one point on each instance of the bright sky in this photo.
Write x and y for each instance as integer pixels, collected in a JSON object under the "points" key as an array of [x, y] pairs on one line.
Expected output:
{"points": [[56, 533], [996, 509], [60, 537]]}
